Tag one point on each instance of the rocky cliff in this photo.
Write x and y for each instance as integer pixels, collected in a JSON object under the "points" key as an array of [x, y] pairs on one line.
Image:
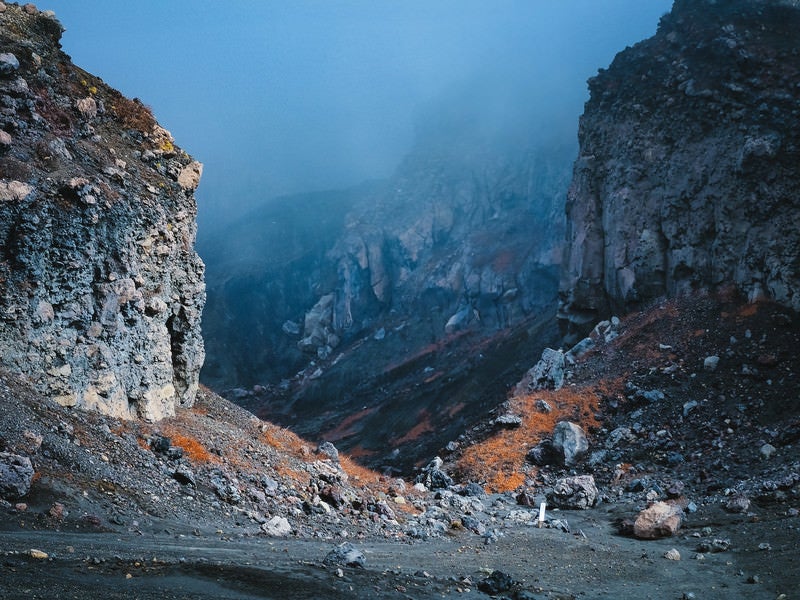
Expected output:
{"points": [[687, 176], [101, 289]]}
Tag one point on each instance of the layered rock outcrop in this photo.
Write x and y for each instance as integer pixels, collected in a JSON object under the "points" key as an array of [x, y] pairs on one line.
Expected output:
{"points": [[688, 169], [101, 290]]}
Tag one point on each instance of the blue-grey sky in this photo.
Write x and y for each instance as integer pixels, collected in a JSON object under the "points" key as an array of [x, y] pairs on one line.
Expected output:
{"points": [[285, 96]]}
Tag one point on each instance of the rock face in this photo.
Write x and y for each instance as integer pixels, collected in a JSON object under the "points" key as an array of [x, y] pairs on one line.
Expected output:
{"points": [[102, 290], [400, 307], [687, 175]]}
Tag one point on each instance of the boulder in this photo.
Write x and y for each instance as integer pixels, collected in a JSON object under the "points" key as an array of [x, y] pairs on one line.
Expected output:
{"points": [[579, 492], [549, 372], [16, 475], [660, 519], [433, 477], [542, 454], [569, 443], [345, 555], [277, 527]]}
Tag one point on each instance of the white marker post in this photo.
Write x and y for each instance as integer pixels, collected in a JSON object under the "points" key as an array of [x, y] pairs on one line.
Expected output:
{"points": [[542, 506]]}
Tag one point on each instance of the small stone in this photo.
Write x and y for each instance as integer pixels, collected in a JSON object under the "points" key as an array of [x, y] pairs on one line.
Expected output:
{"points": [[767, 451], [5, 139], [542, 406], [57, 511], [184, 475], [8, 63], [672, 554], [711, 363], [38, 554], [737, 504], [496, 583], [277, 527]]}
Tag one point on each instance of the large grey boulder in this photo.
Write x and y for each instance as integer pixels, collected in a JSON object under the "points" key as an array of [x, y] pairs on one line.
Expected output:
{"points": [[549, 372], [569, 443], [16, 475]]}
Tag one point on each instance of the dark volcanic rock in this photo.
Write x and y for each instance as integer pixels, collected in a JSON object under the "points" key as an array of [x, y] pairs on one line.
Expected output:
{"points": [[688, 169], [16, 475], [100, 288]]}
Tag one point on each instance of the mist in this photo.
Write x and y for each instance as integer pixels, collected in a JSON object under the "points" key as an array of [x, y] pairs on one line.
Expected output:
{"points": [[279, 98]]}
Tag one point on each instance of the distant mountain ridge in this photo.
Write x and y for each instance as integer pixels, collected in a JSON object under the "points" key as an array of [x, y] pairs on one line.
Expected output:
{"points": [[460, 246]]}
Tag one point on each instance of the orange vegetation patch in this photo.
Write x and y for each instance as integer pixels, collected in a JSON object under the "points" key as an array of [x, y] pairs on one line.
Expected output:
{"points": [[283, 439], [422, 427], [346, 427], [299, 477], [357, 473], [499, 461], [748, 310], [193, 449]]}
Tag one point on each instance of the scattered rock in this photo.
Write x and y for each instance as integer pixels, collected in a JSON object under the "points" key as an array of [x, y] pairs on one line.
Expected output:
{"points": [[543, 453], [329, 450], [16, 475], [549, 372], [8, 63], [345, 555], [738, 503], [578, 492], [767, 451], [711, 363], [277, 527], [184, 475], [672, 554], [433, 477], [660, 519], [496, 583], [57, 511], [508, 421], [715, 545]]}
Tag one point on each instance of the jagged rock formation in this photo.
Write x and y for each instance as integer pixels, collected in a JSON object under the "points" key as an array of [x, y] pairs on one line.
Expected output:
{"points": [[688, 170], [390, 296], [101, 290]]}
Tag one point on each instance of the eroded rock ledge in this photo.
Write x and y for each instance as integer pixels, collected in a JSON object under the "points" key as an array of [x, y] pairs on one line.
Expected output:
{"points": [[101, 291], [688, 170]]}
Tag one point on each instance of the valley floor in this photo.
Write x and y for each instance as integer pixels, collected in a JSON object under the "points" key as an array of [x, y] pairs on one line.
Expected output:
{"points": [[591, 562]]}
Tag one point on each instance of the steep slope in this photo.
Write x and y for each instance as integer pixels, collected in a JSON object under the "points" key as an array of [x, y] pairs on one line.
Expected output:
{"points": [[400, 310], [688, 170], [101, 291]]}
